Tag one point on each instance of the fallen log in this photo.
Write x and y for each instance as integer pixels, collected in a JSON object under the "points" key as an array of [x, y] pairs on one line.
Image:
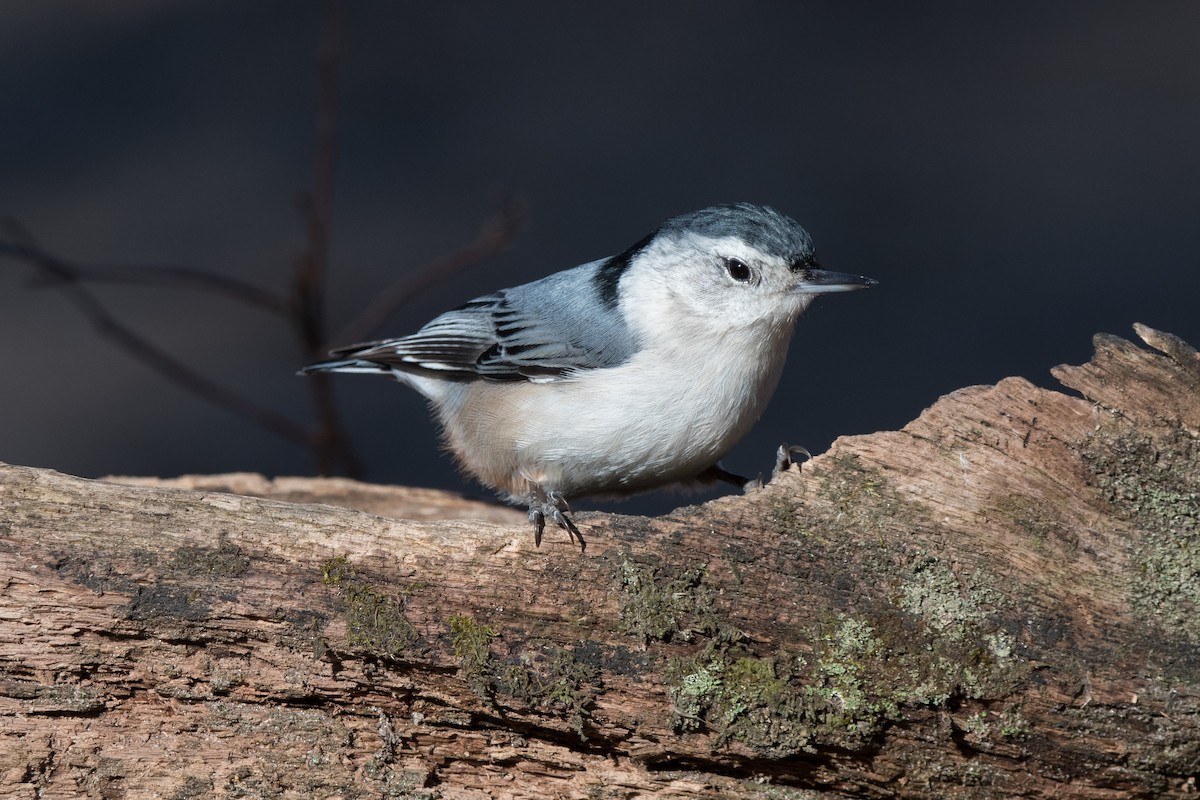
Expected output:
{"points": [[1002, 599]]}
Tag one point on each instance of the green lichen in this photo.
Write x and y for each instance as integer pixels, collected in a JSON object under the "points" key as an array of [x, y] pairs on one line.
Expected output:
{"points": [[375, 621], [867, 675], [855, 701], [1013, 725], [915, 631], [553, 679], [1167, 586], [471, 647], [786, 704], [863, 672], [550, 677], [783, 516], [333, 570], [961, 646], [406, 784], [744, 699], [1154, 480], [657, 605], [850, 522], [933, 592], [693, 693], [860, 497], [978, 725], [68, 698], [225, 681], [984, 725]]}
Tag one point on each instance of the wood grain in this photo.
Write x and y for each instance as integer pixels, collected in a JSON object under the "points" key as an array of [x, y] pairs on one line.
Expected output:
{"points": [[999, 600]]}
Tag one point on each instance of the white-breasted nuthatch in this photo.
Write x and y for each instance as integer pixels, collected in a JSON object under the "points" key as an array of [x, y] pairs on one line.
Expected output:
{"points": [[632, 372]]}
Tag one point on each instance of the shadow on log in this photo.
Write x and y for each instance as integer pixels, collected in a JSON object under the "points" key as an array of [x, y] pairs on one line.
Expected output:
{"points": [[1000, 600]]}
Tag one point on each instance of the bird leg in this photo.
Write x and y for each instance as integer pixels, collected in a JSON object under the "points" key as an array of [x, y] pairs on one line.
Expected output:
{"points": [[553, 505], [785, 456], [718, 473]]}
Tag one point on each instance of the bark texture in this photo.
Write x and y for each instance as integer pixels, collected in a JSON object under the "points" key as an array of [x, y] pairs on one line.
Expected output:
{"points": [[1000, 600]]}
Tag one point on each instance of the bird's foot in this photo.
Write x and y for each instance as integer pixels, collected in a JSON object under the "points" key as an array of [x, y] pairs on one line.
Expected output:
{"points": [[787, 455], [552, 506]]}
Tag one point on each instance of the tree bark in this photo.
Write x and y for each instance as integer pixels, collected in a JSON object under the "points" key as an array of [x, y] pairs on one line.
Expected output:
{"points": [[999, 600]]}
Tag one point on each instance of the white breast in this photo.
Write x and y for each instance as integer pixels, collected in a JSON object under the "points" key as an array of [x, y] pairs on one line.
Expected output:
{"points": [[663, 417]]}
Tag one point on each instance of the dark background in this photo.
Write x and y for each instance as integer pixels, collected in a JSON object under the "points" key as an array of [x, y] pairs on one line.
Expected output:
{"points": [[1018, 176]]}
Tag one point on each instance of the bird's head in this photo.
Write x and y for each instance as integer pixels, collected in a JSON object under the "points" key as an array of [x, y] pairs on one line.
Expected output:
{"points": [[739, 266]]}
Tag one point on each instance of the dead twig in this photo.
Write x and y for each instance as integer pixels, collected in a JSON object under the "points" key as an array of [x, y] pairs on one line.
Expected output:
{"points": [[180, 277], [329, 441], [303, 309], [65, 277], [497, 235]]}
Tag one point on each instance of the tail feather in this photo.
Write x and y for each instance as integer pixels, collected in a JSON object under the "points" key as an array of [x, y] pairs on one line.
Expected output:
{"points": [[352, 365]]}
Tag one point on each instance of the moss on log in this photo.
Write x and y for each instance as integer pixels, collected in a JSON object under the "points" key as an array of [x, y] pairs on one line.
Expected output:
{"points": [[1000, 599]]}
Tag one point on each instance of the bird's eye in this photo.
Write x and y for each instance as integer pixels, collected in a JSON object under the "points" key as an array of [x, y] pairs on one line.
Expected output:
{"points": [[737, 270]]}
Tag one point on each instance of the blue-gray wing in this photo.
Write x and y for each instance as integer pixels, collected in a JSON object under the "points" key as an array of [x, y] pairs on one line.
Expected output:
{"points": [[540, 331]]}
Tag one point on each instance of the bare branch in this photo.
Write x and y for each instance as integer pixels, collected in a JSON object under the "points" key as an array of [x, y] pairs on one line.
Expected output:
{"points": [[65, 277], [184, 277], [304, 310], [20, 245], [497, 235], [330, 445], [313, 264]]}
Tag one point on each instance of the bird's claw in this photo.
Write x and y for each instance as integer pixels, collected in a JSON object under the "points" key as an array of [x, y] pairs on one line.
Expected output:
{"points": [[554, 506], [787, 455]]}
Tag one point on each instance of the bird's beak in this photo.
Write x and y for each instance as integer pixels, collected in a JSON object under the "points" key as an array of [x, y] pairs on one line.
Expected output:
{"points": [[820, 281]]}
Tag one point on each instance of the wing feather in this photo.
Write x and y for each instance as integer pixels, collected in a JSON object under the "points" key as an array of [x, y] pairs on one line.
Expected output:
{"points": [[534, 332]]}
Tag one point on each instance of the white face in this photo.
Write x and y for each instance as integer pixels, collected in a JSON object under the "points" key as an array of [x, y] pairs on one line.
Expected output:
{"points": [[699, 283]]}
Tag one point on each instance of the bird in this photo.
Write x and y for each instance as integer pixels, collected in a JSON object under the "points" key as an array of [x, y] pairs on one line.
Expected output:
{"points": [[624, 374]]}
